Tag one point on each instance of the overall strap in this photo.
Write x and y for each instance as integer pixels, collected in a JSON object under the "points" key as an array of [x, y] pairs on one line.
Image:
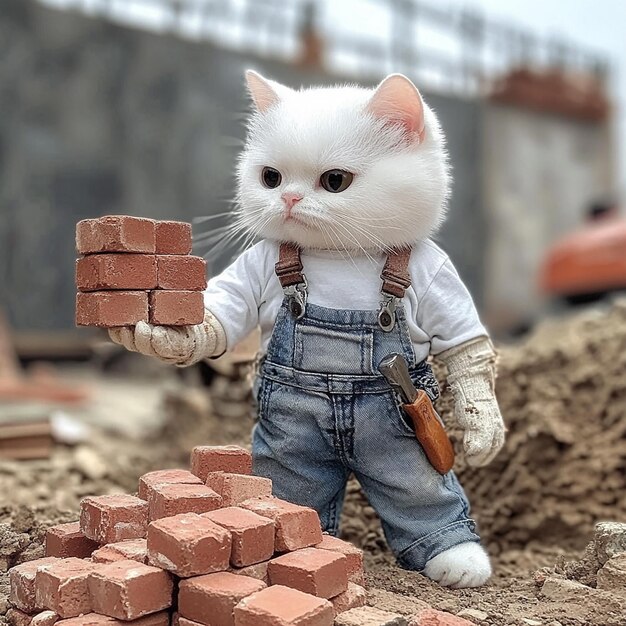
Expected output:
{"points": [[288, 269], [396, 280]]}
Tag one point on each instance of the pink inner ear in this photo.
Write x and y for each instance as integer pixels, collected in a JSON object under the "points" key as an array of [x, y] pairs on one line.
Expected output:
{"points": [[262, 92], [397, 100]]}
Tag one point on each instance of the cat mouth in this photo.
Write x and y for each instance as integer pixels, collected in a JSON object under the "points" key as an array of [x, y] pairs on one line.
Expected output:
{"points": [[292, 219]]}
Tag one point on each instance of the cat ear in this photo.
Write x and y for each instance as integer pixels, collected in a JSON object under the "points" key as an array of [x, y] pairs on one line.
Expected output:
{"points": [[264, 93], [397, 99]]}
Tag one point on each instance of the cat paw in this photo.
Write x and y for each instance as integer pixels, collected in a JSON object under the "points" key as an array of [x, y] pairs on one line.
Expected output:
{"points": [[464, 565]]}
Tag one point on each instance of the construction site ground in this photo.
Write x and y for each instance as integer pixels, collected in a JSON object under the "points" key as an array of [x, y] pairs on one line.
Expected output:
{"points": [[562, 392]]}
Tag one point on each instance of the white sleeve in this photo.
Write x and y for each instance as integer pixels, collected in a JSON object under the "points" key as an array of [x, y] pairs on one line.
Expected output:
{"points": [[447, 313], [234, 296]]}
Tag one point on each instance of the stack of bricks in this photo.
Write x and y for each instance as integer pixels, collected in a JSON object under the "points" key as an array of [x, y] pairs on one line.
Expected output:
{"points": [[206, 547], [134, 269]]}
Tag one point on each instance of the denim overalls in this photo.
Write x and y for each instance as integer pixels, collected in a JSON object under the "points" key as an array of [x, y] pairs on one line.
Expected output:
{"points": [[325, 412]]}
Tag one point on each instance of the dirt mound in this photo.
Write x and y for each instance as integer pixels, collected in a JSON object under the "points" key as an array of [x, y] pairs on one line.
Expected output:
{"points": [[563, 468]]}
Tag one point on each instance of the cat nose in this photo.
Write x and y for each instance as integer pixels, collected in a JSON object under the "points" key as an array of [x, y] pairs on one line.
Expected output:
{"points": [[290, 199]]}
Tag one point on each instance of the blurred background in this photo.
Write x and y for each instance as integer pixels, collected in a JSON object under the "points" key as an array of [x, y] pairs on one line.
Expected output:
{"points": [[138, 107]]}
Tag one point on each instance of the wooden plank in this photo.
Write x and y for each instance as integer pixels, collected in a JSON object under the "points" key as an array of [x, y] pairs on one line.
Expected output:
{"points": [[17, 431]]}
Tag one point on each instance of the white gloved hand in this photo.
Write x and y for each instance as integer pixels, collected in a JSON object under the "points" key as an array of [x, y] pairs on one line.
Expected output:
{"points": [[179, 345], [471, 375]]}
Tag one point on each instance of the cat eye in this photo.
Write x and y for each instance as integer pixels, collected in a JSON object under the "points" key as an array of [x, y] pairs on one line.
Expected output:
{"points": [[336, 180], [271, 178]]}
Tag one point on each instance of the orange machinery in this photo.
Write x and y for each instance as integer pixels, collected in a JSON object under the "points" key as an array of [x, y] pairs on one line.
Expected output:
{"points": [[589, 262]]}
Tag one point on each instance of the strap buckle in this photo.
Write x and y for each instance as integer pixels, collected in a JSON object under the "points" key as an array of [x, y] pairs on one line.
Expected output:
{"points": [[387, 312], [297, 296]]}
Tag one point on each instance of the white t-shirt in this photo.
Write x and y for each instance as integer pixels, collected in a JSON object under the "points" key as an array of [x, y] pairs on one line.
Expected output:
{"points": [[439, 309]]}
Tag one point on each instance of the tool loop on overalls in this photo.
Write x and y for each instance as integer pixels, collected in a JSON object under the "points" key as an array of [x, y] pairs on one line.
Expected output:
{"points": [[396, 280], [289, 271]]}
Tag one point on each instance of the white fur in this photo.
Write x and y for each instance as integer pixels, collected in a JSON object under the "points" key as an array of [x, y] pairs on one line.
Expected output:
{"points": [[400, 187], [464, 565]]}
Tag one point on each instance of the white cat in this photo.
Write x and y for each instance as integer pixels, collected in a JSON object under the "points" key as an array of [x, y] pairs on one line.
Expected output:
{"points": [[347, 176]]}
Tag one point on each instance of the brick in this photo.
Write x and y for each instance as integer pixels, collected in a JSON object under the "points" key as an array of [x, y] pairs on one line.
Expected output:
{"points": [[296, 526], [176, 308], [45, 618], [369, 616], [181, 273], [134, 549], [258, 571], [94, 619], [353, 555], [115, 233], [108, 309], [113, 518], [65, 540], [188, 545], [432, 617], [128, 590], [231, 459], [321, 573], [116, 271], [170, 500], [173, 237], [62, 587], [252, 535], [165, 477], [183, 621], [235, 488], [22, 584], [353, 597], [210, 599], [15, 617], [283, 606]]}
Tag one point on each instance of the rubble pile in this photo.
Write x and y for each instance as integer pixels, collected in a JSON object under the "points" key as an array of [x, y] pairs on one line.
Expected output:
{"points": [[206, 547]]}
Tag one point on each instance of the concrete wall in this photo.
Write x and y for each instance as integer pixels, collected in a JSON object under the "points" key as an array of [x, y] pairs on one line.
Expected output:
{"points": [[99, 119]]}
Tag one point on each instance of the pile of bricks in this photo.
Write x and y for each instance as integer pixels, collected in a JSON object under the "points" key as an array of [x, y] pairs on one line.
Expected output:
{"points": [[206, 547], [134, 269]]}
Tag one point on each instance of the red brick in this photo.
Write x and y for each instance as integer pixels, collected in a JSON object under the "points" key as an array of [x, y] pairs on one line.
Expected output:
{"points": [[109, 519], [170, 500], [109, 309], [134, 549], [62, 587], [370, 616], [128, 590], [252, 535], [296, 526], [211, 599], [235, 488], [176, 308], [115, 233], [353, 555], [22, 584], [173, 237], [116, 271], [183, 621], [282, 606], [432, 617], [354, 596], [231, 459], [165, 477], [65, 540], [15, 617], [181, 273], [188, 545], [258, 571], [321, 573]]}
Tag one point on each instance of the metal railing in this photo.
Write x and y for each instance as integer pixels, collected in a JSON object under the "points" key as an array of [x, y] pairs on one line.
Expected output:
{"points": [[457, 50]]}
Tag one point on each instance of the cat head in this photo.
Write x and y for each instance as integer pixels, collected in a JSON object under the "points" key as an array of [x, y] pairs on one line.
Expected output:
{"points": [[342, 168]]}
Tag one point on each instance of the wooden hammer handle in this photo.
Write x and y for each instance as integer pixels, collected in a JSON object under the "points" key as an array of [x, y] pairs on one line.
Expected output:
{"points": [[431, 433]]}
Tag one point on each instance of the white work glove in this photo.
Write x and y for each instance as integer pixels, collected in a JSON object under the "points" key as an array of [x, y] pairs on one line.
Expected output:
{"points": [[471, 376], [179, 345]]}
